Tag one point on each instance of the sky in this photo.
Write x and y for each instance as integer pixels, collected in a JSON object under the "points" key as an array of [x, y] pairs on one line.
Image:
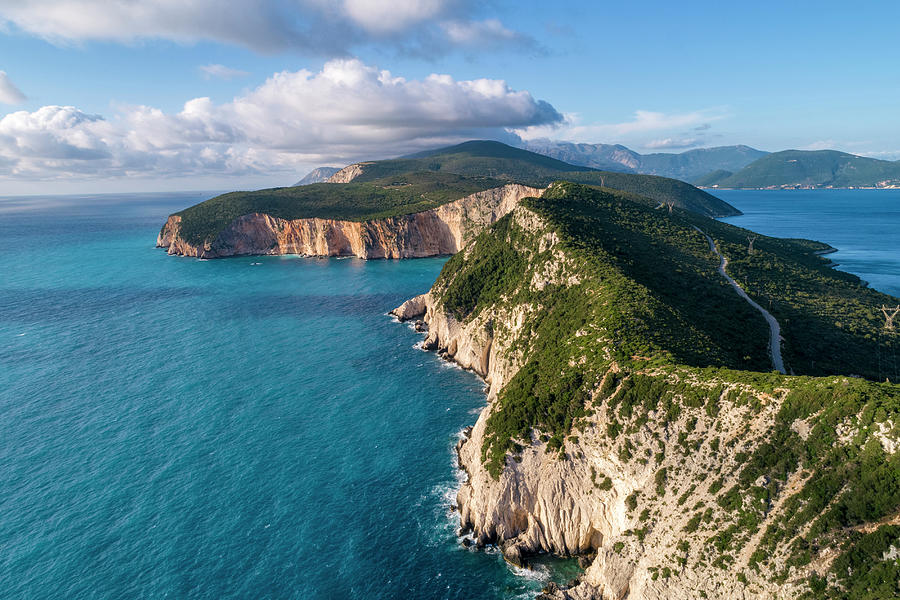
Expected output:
{"points": [[163, 95]]}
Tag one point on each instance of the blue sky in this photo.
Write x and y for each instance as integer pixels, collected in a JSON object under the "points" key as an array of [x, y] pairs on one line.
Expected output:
{"points": [[94, 94]]}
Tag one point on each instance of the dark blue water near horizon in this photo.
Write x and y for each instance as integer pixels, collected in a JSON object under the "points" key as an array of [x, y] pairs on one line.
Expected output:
{"points": [[255, 427], [863, 225]]}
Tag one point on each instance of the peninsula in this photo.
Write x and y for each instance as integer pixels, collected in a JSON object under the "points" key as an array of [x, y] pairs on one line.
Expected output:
{"points": [[419, 206], [634, 415], [693, 409]]}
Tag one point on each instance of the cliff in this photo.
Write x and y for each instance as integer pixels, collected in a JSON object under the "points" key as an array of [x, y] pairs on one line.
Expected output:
{"points": [[438, 231], [318, 175], [674, 475]]}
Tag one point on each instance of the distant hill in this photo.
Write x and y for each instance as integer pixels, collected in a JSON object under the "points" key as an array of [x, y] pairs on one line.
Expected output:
{"points": [[473, 159], [712, 179], [689, 165], [686, 166], [500, 161], [318, 175], [814, 169]]}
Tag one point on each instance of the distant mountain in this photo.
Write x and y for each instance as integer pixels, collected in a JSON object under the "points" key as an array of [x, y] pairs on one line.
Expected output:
{"points": [[686, 166], [318, 175], [608, 157], [814, 169], [689, 165]]}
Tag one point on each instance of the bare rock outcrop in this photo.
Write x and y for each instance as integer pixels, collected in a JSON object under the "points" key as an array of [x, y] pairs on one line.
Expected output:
{"points": [[439, 231], [348, 173]]}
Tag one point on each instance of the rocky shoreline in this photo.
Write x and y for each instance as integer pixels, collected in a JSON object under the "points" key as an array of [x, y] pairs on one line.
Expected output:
{"points": [[643, 518]]}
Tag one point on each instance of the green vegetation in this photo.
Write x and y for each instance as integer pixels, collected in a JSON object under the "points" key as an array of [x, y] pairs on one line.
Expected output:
{"points": [[830, 320], [397, 187], [713, 178], [864, 570], [645, 325], [818, 168], [473, 158], [389, 197], [658, 190], [499, 161], [650, 283]]}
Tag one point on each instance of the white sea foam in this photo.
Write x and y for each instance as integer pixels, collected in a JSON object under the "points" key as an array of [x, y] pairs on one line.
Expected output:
{"points": [[538, 573], [449, 364]]}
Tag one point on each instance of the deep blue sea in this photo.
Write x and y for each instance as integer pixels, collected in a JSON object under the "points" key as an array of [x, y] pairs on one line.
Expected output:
{"points": [[255, 427], [864, 225]]}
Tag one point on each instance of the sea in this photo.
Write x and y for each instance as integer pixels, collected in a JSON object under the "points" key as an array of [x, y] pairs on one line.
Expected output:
{"points": [[258, 427]]}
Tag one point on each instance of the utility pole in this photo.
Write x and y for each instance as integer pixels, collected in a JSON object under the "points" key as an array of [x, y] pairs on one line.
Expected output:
{"points": [[889, 314], [671, 205], [751, 239]]}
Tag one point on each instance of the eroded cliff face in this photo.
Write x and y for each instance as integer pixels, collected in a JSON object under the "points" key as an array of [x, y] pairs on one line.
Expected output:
{"points": [[442, 230], [348, 173], [645, 512]]}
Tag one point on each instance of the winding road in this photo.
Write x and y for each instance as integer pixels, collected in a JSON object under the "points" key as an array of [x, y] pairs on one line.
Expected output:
{"points": [[774, 327]]}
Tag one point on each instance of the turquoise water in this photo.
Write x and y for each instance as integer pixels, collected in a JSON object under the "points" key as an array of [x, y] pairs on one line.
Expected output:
{"points": [[864, 225], [242, 428], [255, 427]]}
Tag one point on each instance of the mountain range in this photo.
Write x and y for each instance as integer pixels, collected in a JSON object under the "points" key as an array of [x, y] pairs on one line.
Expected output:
{"points": [[685, 166], [809, 169]]}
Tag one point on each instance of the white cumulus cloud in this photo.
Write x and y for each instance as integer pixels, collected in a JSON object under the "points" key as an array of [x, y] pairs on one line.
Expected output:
{"points": [[380, 16], [644, 124], [345, 112], [9, 93], [323, 27], [673, 143]]}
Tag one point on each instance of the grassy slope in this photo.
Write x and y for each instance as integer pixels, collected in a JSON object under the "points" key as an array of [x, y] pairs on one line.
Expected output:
{"points": [[813, 168], [392, 196], [649, 294]]}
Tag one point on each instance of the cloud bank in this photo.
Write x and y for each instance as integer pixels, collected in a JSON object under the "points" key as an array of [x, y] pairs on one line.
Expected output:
{"points": [[345, 112], [329, 28]]}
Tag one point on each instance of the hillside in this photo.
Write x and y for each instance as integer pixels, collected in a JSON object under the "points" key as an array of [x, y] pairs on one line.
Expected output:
{"points": [[633, 417], [474, 158], [686, 166], [499, 161], [814, 169], [712, 179]]}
